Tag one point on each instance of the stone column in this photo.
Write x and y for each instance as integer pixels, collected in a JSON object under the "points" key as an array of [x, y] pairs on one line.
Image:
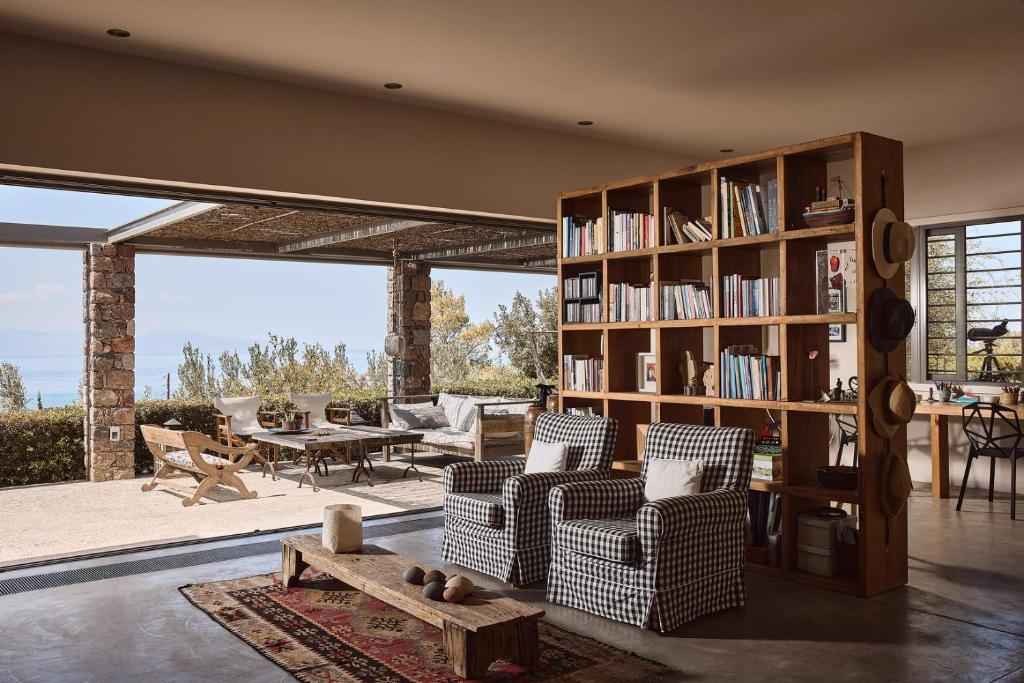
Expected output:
{"points": [[109, 276], [409, 317]]}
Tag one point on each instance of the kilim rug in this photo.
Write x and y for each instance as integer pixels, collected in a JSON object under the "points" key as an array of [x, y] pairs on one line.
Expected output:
{"points": [[325, 631]]}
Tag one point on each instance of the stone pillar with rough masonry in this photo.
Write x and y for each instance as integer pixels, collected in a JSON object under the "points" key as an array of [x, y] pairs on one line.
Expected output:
{"points": [[409, 317], [109, 297]]}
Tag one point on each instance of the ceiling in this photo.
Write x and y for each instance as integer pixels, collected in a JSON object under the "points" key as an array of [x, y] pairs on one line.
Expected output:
{"points": [[689, 76]]}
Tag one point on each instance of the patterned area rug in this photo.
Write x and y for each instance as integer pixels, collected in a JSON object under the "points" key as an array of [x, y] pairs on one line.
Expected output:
{"points": [[325, 631]]}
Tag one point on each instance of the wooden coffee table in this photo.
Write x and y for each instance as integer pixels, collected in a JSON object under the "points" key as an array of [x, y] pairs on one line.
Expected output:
{"points": [[486, 627]]}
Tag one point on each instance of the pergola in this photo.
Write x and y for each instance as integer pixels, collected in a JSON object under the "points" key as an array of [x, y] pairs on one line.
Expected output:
{"points": [[414, 238]]}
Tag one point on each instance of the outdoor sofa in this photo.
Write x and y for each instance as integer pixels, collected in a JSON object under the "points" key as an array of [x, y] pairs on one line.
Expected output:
{"points": [[476, 427]]}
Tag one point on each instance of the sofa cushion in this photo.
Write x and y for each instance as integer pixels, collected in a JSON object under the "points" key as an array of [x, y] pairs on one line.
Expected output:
{"points": [[608, 539], [481, 508], [450, 404], [406, 415], [446, 436]]}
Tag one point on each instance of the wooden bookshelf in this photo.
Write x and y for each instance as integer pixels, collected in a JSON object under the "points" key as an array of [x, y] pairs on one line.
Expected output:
{"points": [[862, 159]]}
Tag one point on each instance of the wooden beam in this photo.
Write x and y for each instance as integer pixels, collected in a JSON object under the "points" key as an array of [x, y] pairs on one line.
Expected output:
{"points": [[57, 236], [376, 228], [481, 248], [158, 219]]}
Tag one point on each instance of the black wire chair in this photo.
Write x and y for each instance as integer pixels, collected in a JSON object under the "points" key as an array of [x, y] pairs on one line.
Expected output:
{"points": [[993, 432], [847, 425]]}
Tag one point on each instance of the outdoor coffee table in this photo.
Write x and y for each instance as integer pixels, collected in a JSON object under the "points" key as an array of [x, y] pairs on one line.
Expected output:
{"points": [[358, 439], [486, 627]]}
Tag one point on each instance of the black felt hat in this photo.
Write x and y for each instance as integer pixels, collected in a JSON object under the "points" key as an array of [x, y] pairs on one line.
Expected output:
{"points": [[890, 319]]}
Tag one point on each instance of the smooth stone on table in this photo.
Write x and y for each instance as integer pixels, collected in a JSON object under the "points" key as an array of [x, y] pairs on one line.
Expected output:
{"points": [[434, 575], [457, 588], [434, 590], [343, 528], [414, 575]]}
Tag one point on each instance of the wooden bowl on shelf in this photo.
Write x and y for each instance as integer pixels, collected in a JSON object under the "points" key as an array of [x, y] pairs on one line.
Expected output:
{"points": [[842, 477]]}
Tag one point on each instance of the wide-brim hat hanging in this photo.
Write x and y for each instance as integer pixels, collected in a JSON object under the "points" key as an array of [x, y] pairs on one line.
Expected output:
{"points": [[896, 484], [889, 319], [892, 403], [892, 243]]}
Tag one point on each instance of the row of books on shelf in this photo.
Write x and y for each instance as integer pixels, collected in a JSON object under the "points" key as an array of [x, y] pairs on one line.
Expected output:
{"points": [[583, 286], [629, 302], [747, 209], [746, 296], [582, 373], [678, 228], [577, 312], [746, 374], [584, 411], [582, 236], [686, 301], [630, 230]]}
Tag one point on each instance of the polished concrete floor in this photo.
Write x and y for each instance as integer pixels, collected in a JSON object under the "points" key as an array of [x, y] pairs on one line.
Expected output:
{"points": [[960, 618]]}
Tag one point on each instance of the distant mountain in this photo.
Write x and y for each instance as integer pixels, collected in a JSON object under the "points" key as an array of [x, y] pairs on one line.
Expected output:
{"points": [[34, 343]]}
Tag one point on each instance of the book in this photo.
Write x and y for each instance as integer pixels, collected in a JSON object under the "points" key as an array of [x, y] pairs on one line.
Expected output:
{"points": [[686, 300], [582, 373], [629, 302], [750, 296], [746, 374], [747, 209], [629, 230], [582, 236]]}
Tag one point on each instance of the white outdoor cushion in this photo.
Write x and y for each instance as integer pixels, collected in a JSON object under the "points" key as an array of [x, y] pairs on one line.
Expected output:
{"points": [[467, 419], [450, 404], [670, 478], [446, 436], [244, 412], [316, 406], [430, 416], [405, 416], [546, 457], [183, 460]]}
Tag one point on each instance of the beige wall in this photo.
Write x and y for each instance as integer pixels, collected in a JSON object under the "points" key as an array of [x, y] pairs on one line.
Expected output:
{"points": [[74, 108], [957, 177]]}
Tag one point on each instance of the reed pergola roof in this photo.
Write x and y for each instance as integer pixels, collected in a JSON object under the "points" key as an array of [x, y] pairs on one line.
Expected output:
{"points": [[454, 239]]}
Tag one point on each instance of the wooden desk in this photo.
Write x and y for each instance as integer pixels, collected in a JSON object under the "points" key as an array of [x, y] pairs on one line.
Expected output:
{"points": [[939, 418]]}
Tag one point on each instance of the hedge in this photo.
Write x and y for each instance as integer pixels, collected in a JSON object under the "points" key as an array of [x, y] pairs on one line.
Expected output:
{"points": [[46, 446]]}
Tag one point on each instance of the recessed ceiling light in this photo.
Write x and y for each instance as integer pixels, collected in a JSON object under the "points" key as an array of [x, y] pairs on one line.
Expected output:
{"points": [[393, 86], [118, 32], [726, 150], [584, 123]]}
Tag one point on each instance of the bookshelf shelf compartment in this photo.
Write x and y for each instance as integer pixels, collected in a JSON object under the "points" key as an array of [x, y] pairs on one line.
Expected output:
{"points": [[822, 494]]}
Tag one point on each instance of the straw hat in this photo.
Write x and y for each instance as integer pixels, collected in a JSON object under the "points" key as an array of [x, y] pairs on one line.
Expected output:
{"points": [[896, 484], [892, 242], [892, 404], [890, 319]]}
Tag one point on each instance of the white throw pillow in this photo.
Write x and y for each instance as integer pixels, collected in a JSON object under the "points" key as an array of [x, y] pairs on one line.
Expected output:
{"points": [[404, 416], [546, 457], [244, 412], [670, 478], [316, 406], [450, 404]]}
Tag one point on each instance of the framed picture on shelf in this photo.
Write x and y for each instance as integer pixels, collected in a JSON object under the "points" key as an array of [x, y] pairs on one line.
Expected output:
{"points": [[837, 300], [837, 333], [646, 372]]}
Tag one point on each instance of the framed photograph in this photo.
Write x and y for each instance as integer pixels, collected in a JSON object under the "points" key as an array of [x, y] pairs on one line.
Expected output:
{"points": [[837, 333], [837, 300], [646, 372]]}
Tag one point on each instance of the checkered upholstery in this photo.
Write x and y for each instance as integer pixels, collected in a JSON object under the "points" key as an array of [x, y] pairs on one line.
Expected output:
{"points": [[688, 557], [518, 548]]}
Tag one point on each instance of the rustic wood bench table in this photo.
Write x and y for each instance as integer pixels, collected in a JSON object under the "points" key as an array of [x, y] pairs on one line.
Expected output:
{"points": [[486, 627]]}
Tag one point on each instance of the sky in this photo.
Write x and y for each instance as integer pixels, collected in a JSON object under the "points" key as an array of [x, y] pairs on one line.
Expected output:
{"points": [[189, 297]]}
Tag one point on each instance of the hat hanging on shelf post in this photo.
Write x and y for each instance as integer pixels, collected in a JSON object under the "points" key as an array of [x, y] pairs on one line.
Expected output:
{"points": [[892, 243], [889, 321]]}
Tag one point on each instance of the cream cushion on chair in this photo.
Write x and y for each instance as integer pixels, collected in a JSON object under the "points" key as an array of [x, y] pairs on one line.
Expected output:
{"points": [[244, 412], [546, 457], [670, 478], [316, 406], [407, 415]]}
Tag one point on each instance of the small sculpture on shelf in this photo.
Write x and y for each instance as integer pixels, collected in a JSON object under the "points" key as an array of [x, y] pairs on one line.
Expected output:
{"points": [[709, 379], [693, 385]]}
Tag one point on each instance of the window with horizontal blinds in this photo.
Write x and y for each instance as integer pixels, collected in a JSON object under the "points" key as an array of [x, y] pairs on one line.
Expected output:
{"points": [[971, 281]]}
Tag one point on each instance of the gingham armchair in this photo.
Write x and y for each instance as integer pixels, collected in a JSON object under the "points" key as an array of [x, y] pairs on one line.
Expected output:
{"points": [[659, 564], [496, 517]]}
